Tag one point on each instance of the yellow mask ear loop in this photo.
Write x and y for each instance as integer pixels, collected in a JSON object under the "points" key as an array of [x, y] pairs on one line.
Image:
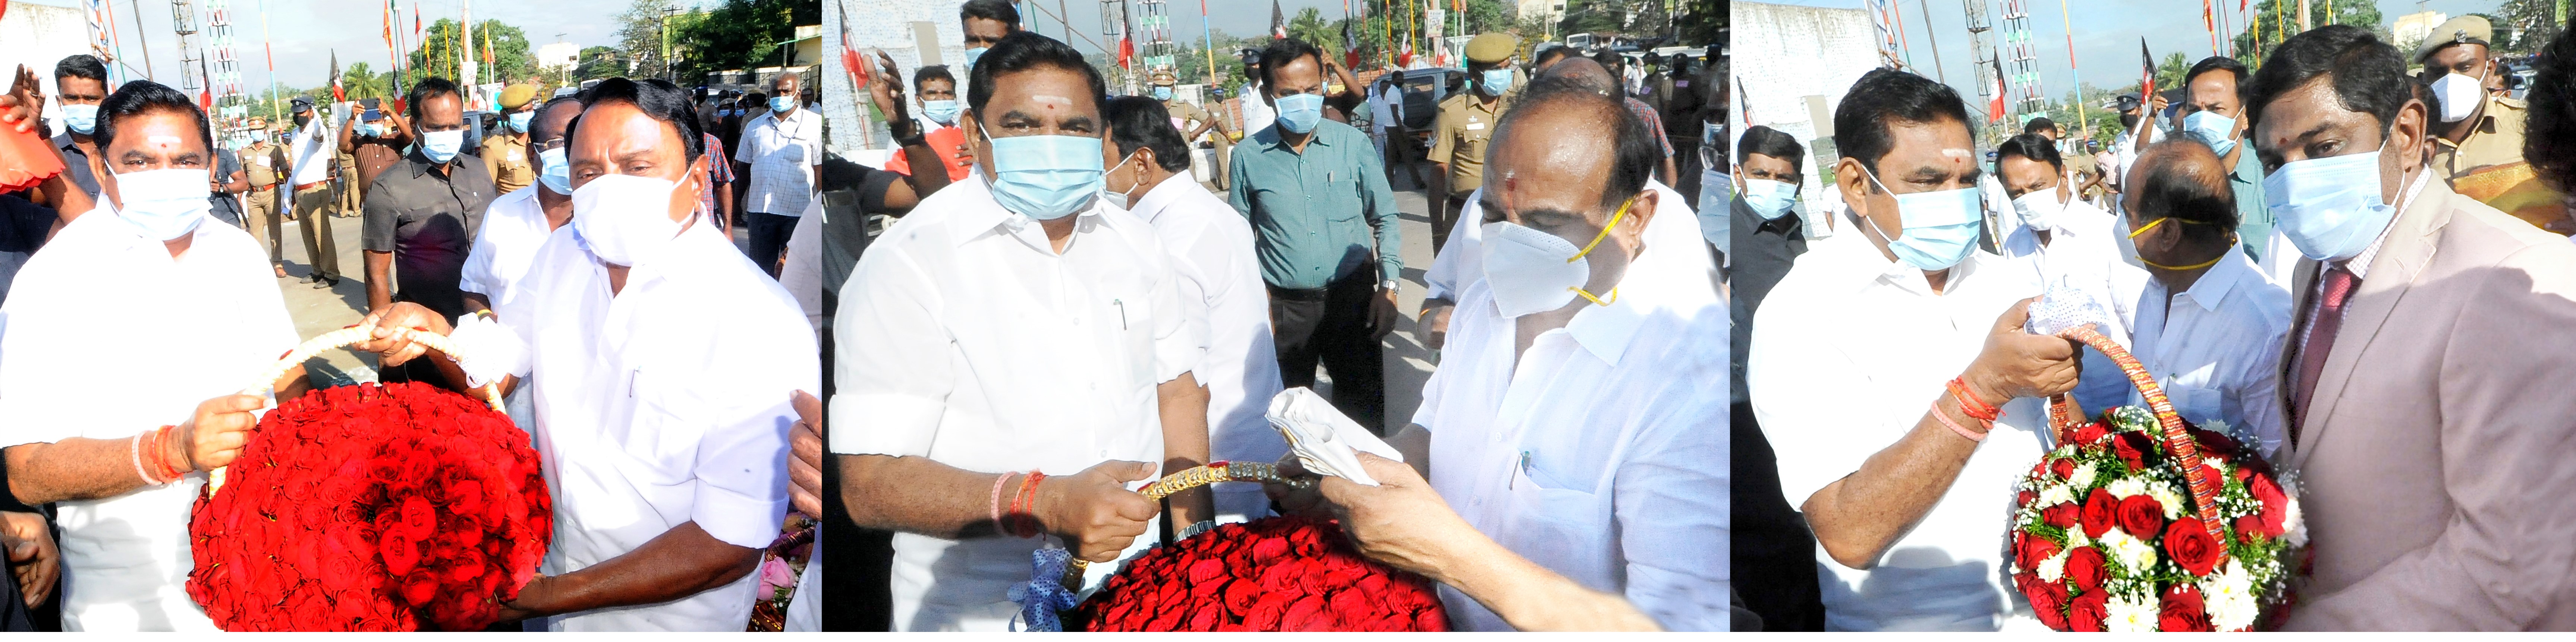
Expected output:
{"points": [[2133, 235], [1596, 242]]}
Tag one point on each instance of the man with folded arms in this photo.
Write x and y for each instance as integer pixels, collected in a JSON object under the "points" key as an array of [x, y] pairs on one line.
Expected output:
{"points": [[663, 362], [143, 278], [1013, 355]]}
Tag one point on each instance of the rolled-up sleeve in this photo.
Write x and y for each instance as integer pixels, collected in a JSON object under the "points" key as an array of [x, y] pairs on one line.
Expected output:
{"points": [[1670, 499], [1794, 377], [741, 486], [892, 360]]}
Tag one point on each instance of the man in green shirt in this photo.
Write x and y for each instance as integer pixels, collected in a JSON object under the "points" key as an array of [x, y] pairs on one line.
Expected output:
{"points": [[1314, 189]]}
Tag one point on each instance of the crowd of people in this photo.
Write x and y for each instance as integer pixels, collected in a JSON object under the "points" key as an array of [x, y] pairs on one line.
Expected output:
{"points": [[1060, 308], [580, 260], [2350, 256]]}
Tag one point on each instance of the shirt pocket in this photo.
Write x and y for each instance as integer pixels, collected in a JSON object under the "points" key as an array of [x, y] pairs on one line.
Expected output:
{"points": [[663, 432], [1562, 528]]}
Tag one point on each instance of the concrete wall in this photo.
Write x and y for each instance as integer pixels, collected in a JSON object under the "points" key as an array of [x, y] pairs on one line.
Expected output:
{"points": [[39, 36], [879, 25], [1783, 54]]}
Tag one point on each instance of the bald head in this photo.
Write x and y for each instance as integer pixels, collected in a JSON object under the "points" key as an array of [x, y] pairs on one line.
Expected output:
{"points": [[2182, 179], [1585, 73]]}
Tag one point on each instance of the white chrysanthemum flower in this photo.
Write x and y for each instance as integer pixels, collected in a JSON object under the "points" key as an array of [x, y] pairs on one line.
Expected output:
{"points": [[2132, 553], [2126, 615], [2083, 477], [2075, 539], [2054, 567], [2165, 495], [2297, 527], [2054, 494], [2230, 596], [2124, 487]]}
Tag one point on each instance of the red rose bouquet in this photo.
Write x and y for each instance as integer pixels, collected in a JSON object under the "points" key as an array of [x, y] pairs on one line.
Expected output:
{"points": [[1275, 574], [372, 508], [2141, 522]]}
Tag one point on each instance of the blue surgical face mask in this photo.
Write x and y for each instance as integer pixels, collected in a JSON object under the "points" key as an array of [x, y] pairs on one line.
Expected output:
{"points": [[1300, 113], [1770, 199], [372, 130], [2209, 127], [781, 104], [1162, 92], [1046, 177], [972, 54], [1940, 227], [554, 171], [441, 147], [2330, 207], [80, 118], [1497, 81], [940, 111], [519, 121]]}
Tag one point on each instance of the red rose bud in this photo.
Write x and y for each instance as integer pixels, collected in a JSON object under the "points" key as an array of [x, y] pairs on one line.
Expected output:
{"points": [[2182, 610], [2063, 515], [2025, 497], [2035, 550], [2130, 453], [2086, 568], [2092, 432], [2064, 467], [2189, 544], [2100, 513], [2276, 505], [2089, 611], [2141, 516]]}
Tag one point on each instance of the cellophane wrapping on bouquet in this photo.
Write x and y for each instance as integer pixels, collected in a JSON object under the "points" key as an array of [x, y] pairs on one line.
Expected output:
{"points": [[1274, 574], [372, 508], [2109, 536]]}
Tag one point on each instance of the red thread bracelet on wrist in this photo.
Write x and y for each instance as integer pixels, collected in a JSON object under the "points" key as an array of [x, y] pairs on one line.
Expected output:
{"points": [[1024, 503], [157, 442], [996, 503], [1954, 426], [1970, 405]]}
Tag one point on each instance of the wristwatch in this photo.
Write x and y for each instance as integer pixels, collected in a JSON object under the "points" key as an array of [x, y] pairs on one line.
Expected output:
{"points": [[1387, 285]]}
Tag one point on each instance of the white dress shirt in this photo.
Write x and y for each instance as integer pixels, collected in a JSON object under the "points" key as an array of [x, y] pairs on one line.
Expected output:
{"points": [[514, 227], [106, 335], [1257, 114], [803, 274], [1597, 452], [1847, 354], [660, 404], [2216, 348], [1222, 294], [311, 152], [782, 153], [2081, 254], [964, 337], [1462, 260]]}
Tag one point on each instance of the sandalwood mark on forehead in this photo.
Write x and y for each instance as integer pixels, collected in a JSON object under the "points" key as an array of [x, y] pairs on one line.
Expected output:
{"points": [[1052, 102], [1954, 152]]}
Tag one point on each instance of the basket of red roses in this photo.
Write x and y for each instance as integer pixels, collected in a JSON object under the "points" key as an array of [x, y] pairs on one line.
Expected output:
{"points": [[1273, 574], [370, 508], [2139, 521]]}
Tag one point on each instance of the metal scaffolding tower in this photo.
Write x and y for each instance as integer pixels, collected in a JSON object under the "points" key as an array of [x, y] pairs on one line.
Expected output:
{"points": [[2021, 57], [192, 76], [1981, 49], [223, 69], [1157, 51]]}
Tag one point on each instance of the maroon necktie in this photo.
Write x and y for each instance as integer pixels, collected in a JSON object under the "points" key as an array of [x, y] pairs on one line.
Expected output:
{"points": [[2322, 325]]}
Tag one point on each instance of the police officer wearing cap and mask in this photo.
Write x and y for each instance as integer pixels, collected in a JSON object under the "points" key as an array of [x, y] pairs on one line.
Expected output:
{"points": [[1466, 120], [421, 215], [505, 157], [2475, 131]]}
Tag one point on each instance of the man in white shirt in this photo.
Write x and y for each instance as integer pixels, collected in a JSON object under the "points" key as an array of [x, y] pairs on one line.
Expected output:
{"points": [[516, 225], [311, 152], [1012, 356], [141, 279], [782, 145], [663, 362], [1905, 484], [2210, 325], [1578, 414], [1220, 288], [2073, 246]]}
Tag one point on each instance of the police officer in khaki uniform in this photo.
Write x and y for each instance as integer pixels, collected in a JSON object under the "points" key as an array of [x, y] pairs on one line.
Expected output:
{"points": [[2477, 136], [506, 156], [1190, 119], [265, 163], [1465, 121]]}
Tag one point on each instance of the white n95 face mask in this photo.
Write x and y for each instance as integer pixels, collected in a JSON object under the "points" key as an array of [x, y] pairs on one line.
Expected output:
{"points": [[1533, 271], [625, 220], [2039, 209], [2459, 95], [164, 204]]}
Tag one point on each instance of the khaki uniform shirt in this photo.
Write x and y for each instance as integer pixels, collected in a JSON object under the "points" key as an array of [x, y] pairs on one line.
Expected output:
{"points": [[2497, 140], [1187, 117], [264, 164], [1458, 138], [2488, 167], [506, 159]]}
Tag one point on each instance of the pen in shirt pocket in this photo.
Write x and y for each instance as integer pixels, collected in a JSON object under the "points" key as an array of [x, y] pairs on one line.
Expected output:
{"points": [[1524, 465], [1122, 312]]}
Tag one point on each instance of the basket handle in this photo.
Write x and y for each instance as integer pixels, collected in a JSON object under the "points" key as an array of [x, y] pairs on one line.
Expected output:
{"points": [[1222, 471], [342, 338], [2064, 421]]}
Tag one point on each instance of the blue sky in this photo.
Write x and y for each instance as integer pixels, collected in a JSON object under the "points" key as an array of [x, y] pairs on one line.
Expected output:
{"points": [[1234, 17], [303, 33], [2106, 34]]}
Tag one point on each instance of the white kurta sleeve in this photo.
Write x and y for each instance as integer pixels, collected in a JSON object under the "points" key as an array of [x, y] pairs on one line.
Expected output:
{"points": [[892, 358], [1798, 378], [1670, 501], [1180, 321], [741, 485]]}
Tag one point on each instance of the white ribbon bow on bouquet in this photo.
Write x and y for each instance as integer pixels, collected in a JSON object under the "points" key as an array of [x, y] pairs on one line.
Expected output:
{"points": [[1325, 441]]}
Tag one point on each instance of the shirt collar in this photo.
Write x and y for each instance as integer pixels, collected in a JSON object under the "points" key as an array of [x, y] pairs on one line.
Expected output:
{"points": [[982, 215], [1162, 196], [2213, 285], [1605, 330]]}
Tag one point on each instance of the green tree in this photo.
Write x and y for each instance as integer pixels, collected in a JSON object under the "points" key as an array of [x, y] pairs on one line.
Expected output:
{"points": [[358, 81], [738, 34], [444, 49], [1309, 26], [2533, 22], [640, 37], [600, 62], [1590, 16], [2279, 19]]}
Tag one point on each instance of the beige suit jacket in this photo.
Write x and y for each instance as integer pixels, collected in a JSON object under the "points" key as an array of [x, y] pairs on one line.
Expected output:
{"points": [[2438, 459]]}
